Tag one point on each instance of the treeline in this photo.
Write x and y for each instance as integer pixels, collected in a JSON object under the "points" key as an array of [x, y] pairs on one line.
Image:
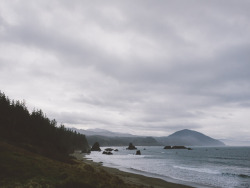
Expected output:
{"points": [[35, 132]]}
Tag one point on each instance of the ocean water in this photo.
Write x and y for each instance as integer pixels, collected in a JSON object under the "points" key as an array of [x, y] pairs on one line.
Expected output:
{"points": [[226, 167]]}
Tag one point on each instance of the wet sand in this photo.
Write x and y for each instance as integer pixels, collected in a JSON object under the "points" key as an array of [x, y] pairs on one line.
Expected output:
{"points": [[130, 177]]}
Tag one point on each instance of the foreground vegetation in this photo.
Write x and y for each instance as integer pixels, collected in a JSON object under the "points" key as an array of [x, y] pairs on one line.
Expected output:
{"points": [[34, 153], [22, 168]]}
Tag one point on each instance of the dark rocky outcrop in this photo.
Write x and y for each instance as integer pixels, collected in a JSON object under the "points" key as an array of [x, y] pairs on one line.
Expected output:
{"points": [[96, 147], [107, 153], [167, 147], [109, 149], [131, 147], [179, 147], [116, 150], [138, 152]]}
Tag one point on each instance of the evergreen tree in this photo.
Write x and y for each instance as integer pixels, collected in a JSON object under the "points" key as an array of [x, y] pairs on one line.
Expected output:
{"points": [[36, 131]]}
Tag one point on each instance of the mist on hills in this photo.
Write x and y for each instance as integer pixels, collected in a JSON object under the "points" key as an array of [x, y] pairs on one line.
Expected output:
{"points": [[183, 137]]}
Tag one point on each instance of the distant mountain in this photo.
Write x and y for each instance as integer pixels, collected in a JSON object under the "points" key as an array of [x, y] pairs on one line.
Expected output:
{"points": [[101, 132], [184, 137], [108, 138], [189, 138]]}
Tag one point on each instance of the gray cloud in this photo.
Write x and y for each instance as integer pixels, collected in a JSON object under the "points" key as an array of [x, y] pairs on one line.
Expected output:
{"points": [[140, 67]]}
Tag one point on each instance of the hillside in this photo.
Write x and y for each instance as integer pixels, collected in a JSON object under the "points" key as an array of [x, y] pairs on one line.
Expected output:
{"points": [[189, 138], [101, 132], [108, 138], [122, 141], [25, 169], [35, 132]]}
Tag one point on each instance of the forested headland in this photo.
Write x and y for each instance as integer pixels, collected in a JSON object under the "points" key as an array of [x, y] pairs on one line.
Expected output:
{"points": [[35, 132], [34, 152]]}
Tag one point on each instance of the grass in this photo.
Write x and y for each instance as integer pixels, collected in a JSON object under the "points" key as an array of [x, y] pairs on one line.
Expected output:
{"points": [[25, 169]]}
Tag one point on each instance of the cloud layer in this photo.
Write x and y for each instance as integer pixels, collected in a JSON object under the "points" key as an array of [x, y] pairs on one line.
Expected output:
{"points": [[144, 67]]}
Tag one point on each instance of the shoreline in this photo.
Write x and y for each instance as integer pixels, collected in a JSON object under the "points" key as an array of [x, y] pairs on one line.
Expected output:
{"points": [[130, 177]]}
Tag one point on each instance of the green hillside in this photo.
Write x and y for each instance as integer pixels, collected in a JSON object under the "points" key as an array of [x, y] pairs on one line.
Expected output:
{"points": [[24, 169], [35, 132], [34, 153]]}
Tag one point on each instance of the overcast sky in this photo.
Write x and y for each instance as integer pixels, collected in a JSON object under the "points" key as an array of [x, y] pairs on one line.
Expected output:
{"points": [[146, 67]]}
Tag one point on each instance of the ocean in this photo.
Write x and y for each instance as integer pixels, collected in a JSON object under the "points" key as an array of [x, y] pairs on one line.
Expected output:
{"points": [[226, 167]]}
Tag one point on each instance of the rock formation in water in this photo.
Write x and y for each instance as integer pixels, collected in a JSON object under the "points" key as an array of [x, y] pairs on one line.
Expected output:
{"points": [[131, 147], [96, 147], [138, 152], [178, 147], [109, 149], [167, 147], [107, 153]]}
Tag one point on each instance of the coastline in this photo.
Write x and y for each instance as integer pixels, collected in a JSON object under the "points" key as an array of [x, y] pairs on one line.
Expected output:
{"points": [[129, 177]]}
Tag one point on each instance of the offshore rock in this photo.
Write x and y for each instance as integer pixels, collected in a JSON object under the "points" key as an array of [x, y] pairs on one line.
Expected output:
{"points": [[167, 147], [179, 147], [131, 147], [107, 153], [109, 149], [138, 152], [96, 147]]}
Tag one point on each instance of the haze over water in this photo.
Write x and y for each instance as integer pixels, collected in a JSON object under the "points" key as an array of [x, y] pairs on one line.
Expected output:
{"points": [[225, 167]]}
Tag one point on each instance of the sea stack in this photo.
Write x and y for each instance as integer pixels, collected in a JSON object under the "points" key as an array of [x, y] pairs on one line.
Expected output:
{"points": [[107, 153], [179, 147], [109, 149], [96, 147], [138, 152], [167, 147], [131, 147]]}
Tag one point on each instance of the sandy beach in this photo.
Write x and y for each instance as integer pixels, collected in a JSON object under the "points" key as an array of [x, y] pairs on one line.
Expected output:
{"points": [[130, 177]]}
